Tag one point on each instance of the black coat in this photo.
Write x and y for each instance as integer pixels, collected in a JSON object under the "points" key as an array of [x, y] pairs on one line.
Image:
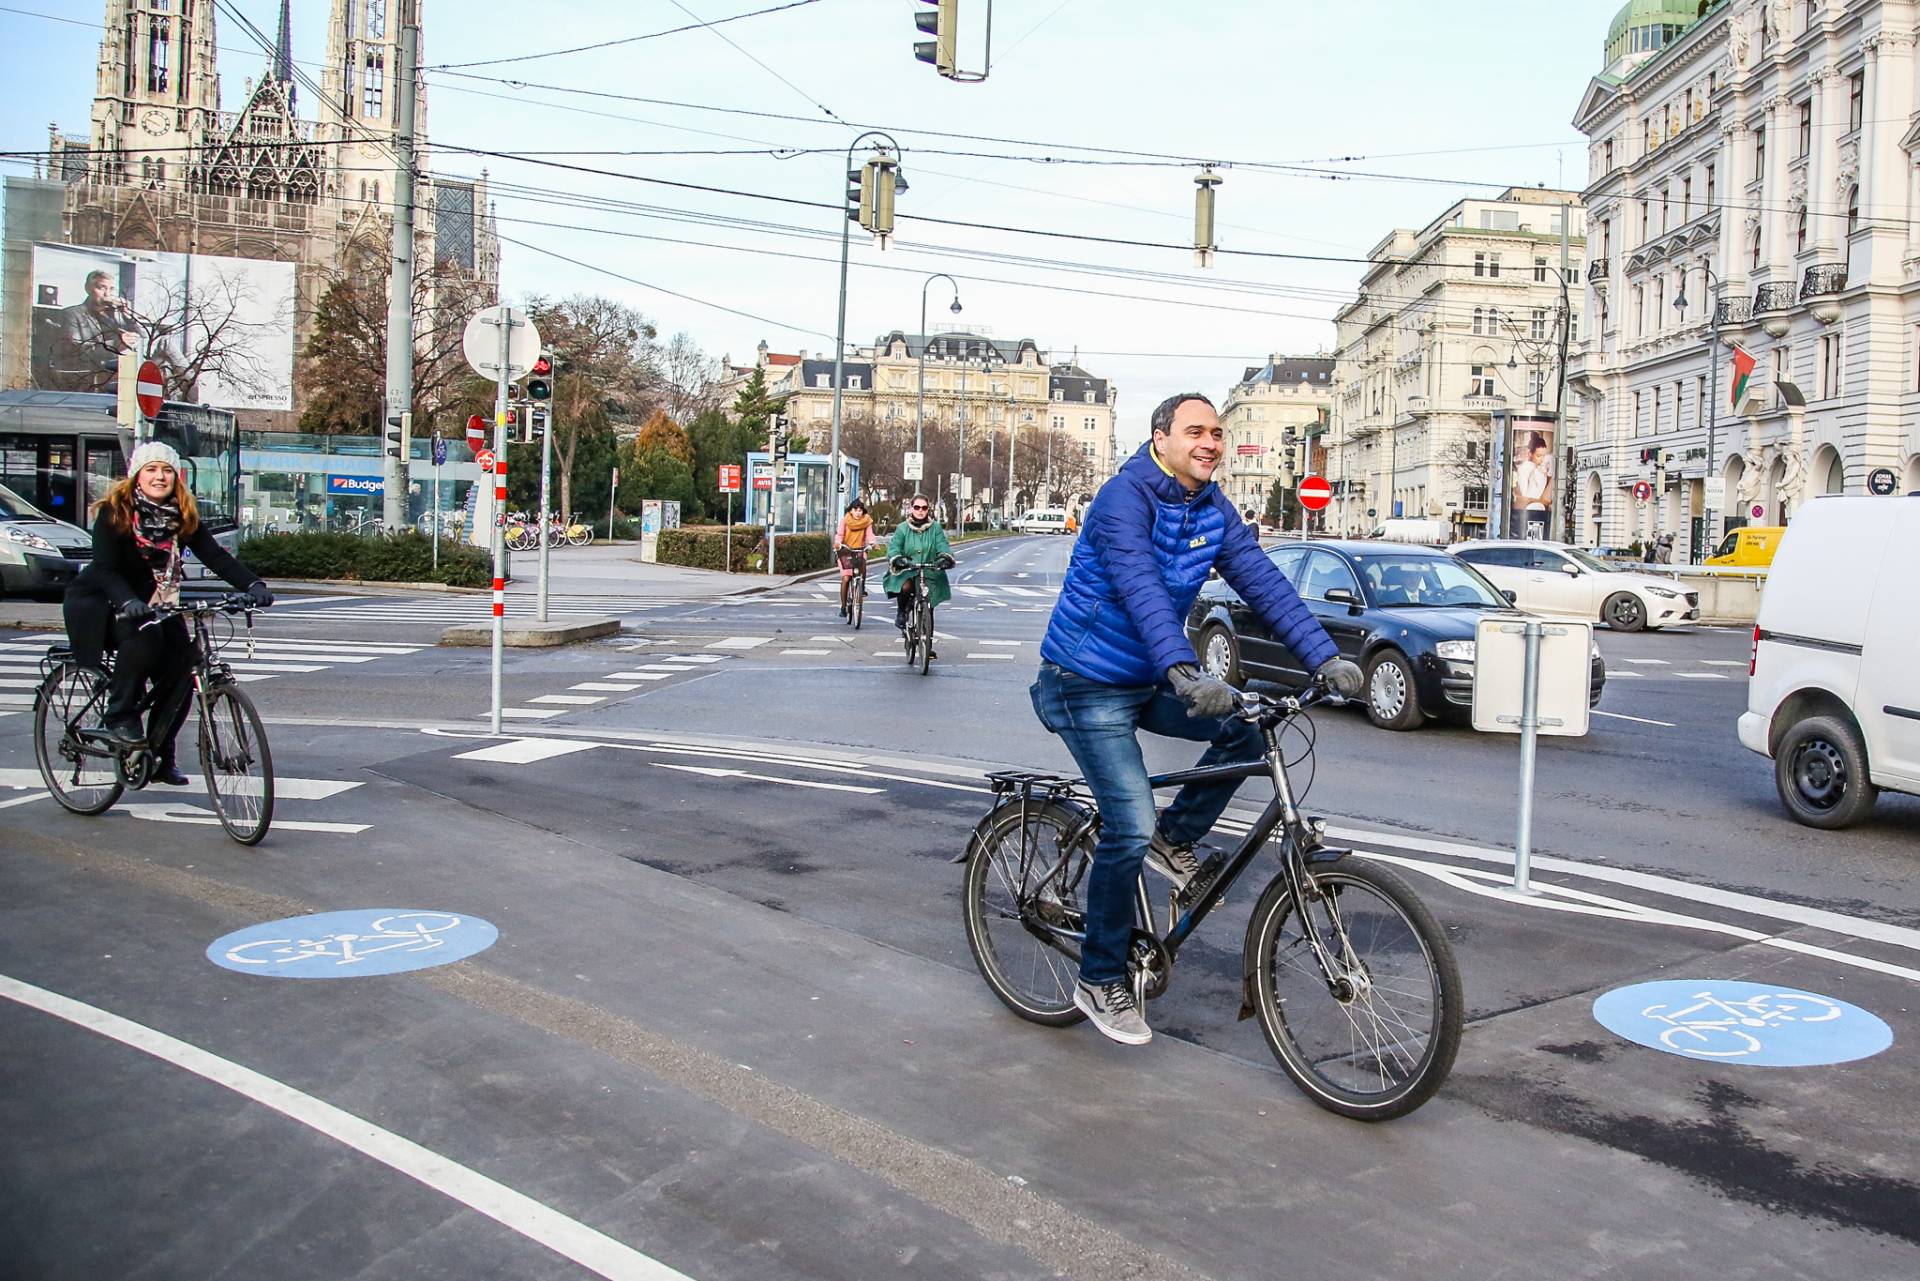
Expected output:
{"points": [[119, 573]]}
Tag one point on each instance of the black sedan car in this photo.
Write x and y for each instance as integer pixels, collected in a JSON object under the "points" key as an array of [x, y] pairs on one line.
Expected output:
{"points": [[1406, 614]]}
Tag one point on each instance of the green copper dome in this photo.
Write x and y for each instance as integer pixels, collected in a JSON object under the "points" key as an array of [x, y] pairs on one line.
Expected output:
{"points": [[1648, 26]]}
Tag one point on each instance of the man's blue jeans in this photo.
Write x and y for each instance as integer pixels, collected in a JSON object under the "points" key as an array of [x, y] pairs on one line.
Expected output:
{"points": [[1100, 725]]}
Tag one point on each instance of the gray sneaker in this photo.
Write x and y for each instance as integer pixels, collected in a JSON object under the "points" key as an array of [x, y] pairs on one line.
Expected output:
{"points": [[1175, 862], [1113, 1009]]}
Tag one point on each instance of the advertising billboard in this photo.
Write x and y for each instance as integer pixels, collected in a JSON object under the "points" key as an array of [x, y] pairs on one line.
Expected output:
{"points": [[1525, 473], [221, 329]]}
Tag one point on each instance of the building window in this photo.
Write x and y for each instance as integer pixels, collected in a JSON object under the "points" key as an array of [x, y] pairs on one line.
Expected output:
{"points": [[375, 86], [1479, 264], [1540, 270], [1573, 324], [1480, 381], [1636, 413], [1493, 266], [1058, 394], [1479, 320], [821, 380], [1089, 398], [853, 382], [1646, 221], [1779, 364], [1607, 151], [1760, 149], [1665, 209], [1829, 366], [1800, 232], [377, 19], [1606, 237], [1536, 384], [157, 50], [1755, 247], [1707, 175], [1853, 208], [1686, 199], [1639, 310], [1539, 329], [1659, 304], [1856, 99], [1806, 127], [1088, 424]]}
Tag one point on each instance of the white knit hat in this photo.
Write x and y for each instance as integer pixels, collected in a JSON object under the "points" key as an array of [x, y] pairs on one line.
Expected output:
{"points": [[153, 451]]}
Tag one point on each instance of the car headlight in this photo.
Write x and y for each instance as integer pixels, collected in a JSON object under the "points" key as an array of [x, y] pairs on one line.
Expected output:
{"points": [[1455, 649], [25, 537], [1664, 593]]}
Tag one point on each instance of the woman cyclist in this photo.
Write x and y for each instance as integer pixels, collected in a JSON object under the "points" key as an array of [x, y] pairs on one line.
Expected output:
{"points": [[852, 541], [143, 525], [921, 540]]}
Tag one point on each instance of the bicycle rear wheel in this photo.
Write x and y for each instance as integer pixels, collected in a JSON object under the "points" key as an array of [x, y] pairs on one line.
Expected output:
{"points": [[1020, 919], [71, 699], [923, 623], [857, 600], [1379, 1040], [237, 763]]}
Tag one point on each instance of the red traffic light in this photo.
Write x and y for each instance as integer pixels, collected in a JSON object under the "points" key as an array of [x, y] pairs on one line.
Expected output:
{"points": [[542, 366]]}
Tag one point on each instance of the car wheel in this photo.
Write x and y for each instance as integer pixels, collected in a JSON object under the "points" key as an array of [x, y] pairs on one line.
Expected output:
{"points": [[1220, 656], [1820, 770], [1393, 701], [1624, 612]]}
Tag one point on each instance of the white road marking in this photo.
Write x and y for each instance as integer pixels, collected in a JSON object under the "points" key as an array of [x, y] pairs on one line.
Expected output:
{"points": [[809, 652], [181, 812], [253, 665], [1723, 662], [699, 658], [1700, 676], [1008, 657], [1009, 644], [8, 682], [286, 789], [1632, 676], [525, 713], [740, 642], [525, 751], [1021, 591], [572, 700], [713, 772], [16, 700], [1638, 720], [1650, 662], [23, 800], [609, 687], [569, 1238]]}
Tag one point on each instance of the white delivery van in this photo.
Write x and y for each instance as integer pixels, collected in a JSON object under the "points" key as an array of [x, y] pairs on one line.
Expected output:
{"points": [[1411, 529], [1833, 694], [1042, 520]]}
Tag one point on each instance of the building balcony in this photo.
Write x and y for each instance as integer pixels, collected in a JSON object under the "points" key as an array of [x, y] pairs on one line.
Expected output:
{"points": [[1597, 271], [1733, 312], [1482, 404], [1820, 290], [1771, 302], [1417, 406]]}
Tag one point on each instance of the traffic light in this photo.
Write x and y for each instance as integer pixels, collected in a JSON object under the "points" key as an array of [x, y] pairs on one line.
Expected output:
{"points": [[777, 439], [540, 378], [870, 192], [943, 24], [514, 420], [536, 422], [399, 435], [1653, 456]]}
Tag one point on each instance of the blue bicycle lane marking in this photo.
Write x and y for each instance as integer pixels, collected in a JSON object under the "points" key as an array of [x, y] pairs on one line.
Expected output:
{"points": [[357, 943], [1752, 1024]]}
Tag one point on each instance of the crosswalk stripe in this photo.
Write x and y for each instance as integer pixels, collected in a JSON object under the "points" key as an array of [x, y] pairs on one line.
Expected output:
{"points": [[608, 687], [575, 700], [642, 676], [740, 642]]}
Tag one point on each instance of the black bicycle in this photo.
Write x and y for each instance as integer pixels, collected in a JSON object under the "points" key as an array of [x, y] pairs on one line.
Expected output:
{"points": [[1352, 979], [855, 607], [87, 770], [919, 633]]}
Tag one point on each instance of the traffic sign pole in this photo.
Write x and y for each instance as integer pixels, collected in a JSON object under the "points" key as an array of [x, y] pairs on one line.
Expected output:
{"points": [[546, 468], [498, 480]]}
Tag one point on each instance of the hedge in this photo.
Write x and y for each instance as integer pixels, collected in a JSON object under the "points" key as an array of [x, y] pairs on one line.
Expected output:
{"points": [[704, 547], [404, 558]]}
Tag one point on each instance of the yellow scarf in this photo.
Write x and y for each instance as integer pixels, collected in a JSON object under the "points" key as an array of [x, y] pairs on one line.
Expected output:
{"points": [[857, 527]]}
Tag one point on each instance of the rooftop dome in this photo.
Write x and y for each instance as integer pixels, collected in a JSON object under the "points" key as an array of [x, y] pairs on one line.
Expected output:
{"points": [[1647, 26]]}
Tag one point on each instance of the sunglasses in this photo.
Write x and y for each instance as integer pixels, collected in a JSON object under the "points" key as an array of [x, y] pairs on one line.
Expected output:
{"points": [[919, 507]]}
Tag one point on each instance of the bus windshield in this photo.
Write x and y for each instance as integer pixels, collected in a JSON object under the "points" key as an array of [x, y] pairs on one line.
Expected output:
{"points": [[209, 449]]}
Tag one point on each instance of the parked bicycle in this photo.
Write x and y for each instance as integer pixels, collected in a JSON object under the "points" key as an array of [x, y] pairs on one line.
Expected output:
{"points": [[919, 633], [86, 770], [1352, 979]]}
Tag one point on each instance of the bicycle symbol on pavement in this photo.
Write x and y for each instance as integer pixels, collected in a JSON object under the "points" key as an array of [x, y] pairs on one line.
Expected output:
{"points": [[352, 944], [1748, 1023]]}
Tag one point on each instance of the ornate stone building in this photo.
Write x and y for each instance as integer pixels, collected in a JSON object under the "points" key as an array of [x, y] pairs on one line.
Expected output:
{"points": [[1755, 168], [165, 168], [1274, 408]]}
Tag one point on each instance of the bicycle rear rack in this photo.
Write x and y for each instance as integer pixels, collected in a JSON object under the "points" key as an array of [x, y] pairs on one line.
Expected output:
{"points": [[1034, 786]]}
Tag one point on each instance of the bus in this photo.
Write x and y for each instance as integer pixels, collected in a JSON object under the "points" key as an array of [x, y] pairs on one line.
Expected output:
{"points": [[60, 450]]}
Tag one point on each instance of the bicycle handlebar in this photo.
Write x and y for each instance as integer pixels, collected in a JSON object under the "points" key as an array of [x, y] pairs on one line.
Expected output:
{"points": [[1257, 707]]}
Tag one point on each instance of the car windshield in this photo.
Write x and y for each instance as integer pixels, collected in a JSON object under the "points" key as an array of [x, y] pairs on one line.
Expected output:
{"points": [[1401, 582], [1588, 560], [14, 507]]}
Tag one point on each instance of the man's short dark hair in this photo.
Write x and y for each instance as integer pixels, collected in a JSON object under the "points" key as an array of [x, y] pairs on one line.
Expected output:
{"points": [[97, 274], [1163, 413]]}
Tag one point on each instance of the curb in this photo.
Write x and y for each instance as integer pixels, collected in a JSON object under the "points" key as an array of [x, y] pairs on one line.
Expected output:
{"points": [[531, 635]]}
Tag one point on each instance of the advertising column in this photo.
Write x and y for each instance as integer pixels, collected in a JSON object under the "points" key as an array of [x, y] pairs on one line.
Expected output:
{"points": [[1525, 491]]}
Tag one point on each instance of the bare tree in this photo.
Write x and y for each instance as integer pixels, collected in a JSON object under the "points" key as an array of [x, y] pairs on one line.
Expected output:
{"points": [[689, 378], [609, 372]]}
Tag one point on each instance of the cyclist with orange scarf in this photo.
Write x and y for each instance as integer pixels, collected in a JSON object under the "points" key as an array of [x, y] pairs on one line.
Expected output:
{"points": [[852, 542]]}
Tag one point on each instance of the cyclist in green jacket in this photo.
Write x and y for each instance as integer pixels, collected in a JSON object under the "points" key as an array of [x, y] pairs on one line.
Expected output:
{"points": [[920, 539]]}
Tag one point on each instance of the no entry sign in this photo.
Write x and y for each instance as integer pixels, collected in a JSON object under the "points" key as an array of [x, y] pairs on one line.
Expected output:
{"points": [[1315, 493], [150, 390]]}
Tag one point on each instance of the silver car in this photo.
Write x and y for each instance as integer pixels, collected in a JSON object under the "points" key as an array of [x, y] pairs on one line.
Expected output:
{"points": [[39, 555]]}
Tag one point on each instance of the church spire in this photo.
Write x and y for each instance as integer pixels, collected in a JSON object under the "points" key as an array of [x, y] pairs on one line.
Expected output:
{"points": [[283, 50]]}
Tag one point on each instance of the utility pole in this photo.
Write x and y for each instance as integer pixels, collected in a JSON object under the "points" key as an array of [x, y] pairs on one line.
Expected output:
{"points": [[400, 280], [1570, 483]]}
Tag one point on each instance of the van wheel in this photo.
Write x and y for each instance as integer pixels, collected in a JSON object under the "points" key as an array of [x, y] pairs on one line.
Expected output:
{"points": [[1393, 700], [1220, 656], [1820, 770], [1624, 612]]}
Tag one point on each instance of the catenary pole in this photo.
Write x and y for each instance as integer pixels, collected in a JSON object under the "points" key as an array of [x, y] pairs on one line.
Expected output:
{"points": [[400, 277]]}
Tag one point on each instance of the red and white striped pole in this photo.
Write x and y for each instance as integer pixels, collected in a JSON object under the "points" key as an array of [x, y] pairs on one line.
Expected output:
{"points": [[499, 483]]}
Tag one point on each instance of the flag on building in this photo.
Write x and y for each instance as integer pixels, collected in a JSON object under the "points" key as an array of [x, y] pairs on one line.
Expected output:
{"points": [[1249, 450], [1742, 370]]}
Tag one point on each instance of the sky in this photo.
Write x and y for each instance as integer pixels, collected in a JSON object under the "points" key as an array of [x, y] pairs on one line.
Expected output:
{"points": [[1445, 100]]}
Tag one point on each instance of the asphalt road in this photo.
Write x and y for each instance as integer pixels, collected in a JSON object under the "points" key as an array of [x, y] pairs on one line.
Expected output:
{"points": [[730, 1023]]}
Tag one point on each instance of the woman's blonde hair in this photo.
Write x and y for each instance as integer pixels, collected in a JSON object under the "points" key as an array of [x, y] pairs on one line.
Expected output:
{"points": [[118, 504]]}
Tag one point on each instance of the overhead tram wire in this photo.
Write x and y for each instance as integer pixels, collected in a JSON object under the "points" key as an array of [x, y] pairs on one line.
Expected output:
{"points": [[624, 40], [824, 108]]}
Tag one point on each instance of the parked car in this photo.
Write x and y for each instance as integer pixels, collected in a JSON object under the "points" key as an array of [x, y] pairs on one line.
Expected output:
{"points": [[1833, 691], [1042, 520], [1408, 529], [1750, 547], [1553, 578], [39, 555], [1406, 614]]}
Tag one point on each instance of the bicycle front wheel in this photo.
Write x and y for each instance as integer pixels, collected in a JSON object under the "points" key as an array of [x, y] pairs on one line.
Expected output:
{"points": [[924, 624], [1376, 1039], [237, 763], [1025, 915], [857, 602], [73, 699]]}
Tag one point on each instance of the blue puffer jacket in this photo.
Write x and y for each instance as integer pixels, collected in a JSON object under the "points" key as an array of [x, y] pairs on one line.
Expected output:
{"points": [[1144, 550]]}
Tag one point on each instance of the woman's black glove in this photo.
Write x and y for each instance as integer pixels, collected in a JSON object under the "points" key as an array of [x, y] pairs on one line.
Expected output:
{"points": [[899, 564], [944, 561], [257, 595], [135, 611]]}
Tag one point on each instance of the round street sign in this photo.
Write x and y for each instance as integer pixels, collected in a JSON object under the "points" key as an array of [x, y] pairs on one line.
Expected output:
{"points": [[1881, 480], [1758, 511], [1315, 493], [485, 459], [150, 389], [1642, 490], [480, 342]]}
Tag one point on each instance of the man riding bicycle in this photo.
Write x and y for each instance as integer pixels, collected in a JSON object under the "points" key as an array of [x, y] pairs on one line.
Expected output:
{"points": [[851, 543], [1116, 660]]}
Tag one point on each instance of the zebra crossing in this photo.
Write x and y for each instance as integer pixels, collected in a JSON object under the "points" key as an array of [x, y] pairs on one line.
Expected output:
{"points": [[636, 675], [272, 657], [1034, 597], [454, 611]]}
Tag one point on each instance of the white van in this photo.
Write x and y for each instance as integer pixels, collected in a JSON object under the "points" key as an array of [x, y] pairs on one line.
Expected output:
{"points": [[1834, 688], [1042, 520], [1411, 529]]}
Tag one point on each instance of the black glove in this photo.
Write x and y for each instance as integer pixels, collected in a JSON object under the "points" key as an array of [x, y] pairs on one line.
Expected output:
{"points": [[899, 564], [257, 595], [944, 561], [135, 611], [1340, 675], [1204, 695]]}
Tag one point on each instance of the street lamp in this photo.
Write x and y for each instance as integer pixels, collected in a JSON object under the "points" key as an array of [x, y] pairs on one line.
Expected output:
{"points": [[960, 465], [885, 196], [920, 417], [1709, 509]]}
